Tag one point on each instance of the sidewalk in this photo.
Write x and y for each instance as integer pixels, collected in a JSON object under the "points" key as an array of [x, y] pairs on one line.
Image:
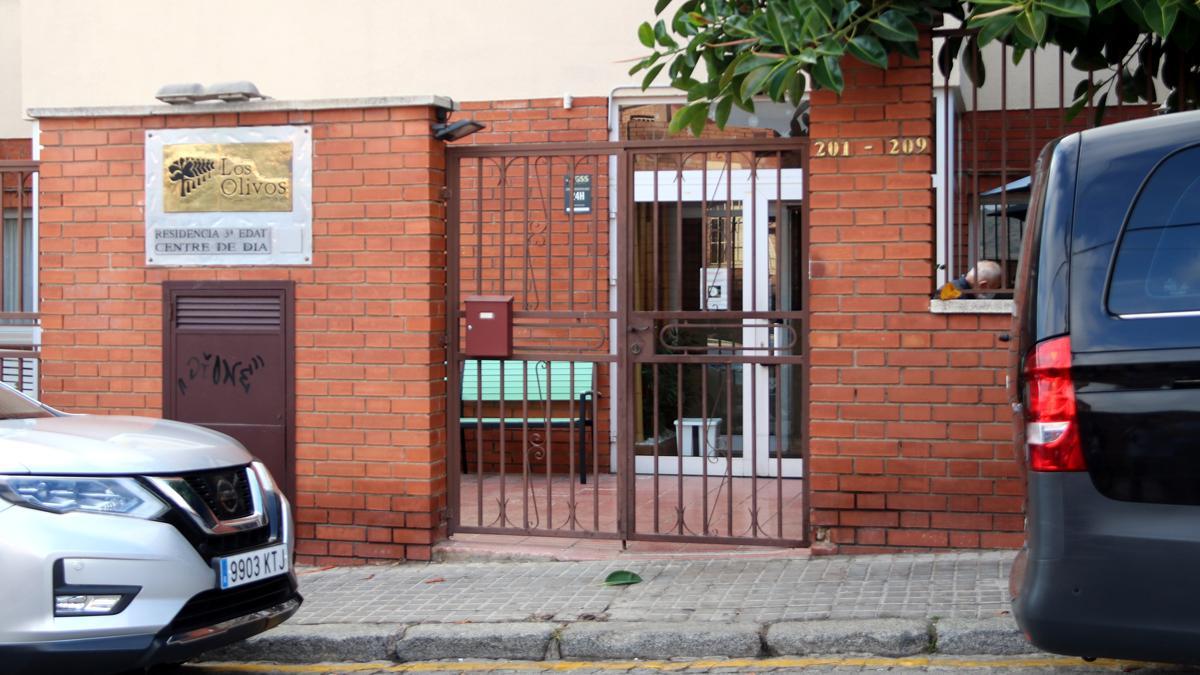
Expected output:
{"points": [[885, 605]]}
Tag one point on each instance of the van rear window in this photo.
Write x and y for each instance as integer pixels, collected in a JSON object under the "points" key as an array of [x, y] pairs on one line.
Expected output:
{"points": [[1158, 262]]}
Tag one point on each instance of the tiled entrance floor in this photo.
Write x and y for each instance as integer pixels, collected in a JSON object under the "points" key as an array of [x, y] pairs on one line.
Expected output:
{"points": [[728, 504]]}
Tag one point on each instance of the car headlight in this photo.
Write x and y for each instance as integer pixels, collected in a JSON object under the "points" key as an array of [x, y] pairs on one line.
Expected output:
{"points": [[89, 494]]}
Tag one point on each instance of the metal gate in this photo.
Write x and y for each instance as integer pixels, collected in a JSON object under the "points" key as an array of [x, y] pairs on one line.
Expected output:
{"points": [[660, 398]]}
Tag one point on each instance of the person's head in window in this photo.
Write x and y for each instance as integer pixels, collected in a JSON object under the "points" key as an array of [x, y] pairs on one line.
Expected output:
{"points": [[983, 278]]}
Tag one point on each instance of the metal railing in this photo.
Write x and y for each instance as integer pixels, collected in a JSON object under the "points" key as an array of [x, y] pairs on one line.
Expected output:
{"points": [[19, 368], [988, 140], [17, 246]]}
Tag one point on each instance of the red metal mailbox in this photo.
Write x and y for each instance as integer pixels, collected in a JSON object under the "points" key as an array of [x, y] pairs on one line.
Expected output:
{"points": [[489, 326]]}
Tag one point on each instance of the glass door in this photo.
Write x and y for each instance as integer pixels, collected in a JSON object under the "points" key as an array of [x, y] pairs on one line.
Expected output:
{"points": [[716, 252]]}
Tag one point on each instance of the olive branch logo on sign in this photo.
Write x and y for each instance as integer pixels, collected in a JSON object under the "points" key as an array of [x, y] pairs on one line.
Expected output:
{"points": [[190, 173], [227, 177]]}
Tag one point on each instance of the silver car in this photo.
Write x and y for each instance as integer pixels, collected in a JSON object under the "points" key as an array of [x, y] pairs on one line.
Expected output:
{"points": [[128, 542]]}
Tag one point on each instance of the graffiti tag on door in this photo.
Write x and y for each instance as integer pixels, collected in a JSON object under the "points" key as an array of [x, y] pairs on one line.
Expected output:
{"points": [[220, 370]]}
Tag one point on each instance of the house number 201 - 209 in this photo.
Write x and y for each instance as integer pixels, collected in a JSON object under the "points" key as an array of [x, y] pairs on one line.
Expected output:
{"points": [[891, 146]]}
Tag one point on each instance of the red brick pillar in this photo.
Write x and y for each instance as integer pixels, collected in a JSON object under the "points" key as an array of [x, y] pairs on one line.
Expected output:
{"points": [[908, 424], [370, 451]]}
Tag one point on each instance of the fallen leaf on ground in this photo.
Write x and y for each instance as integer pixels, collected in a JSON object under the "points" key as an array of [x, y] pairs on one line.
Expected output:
{"points": [[622, 578]]}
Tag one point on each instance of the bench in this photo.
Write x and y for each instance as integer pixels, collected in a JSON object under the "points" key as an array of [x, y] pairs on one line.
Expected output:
{"points": [[548, 381]]}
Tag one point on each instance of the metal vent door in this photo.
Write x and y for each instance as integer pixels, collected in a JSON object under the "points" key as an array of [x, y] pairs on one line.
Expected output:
{"points": [[228, 364]]}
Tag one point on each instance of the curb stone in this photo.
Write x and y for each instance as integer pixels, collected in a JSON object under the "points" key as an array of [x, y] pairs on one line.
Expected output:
{"points": [[513, 641], [994, 636], [881, 637], [659, 640], [300, 643]]}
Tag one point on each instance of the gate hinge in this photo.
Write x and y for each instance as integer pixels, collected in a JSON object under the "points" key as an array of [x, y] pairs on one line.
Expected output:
{"points": [[446, 192]]}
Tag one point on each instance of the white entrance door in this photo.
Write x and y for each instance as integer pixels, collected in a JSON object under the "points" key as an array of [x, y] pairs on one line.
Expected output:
{"points": [[744, 204]]}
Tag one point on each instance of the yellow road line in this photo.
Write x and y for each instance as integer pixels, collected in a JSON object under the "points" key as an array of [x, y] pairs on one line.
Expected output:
{"points": [[676, 666]]}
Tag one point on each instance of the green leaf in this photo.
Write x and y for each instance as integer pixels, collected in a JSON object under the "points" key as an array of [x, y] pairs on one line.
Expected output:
{"points": [[754, 81], [796, 88], [1161, 15], [660, 6], [649, 79], [664, 39], [1098, 112], [828, 74], [1032, 24], [1086, 59], [831, 48], [1076, 107], [751, 61], [948, 54], [972, 62], [1071, 9], [846, 12], [1105, 5], [996, 27], [868, 50], [775, 28], [1144, 82], [778, 82], [908, 49], [646, 34], [1081, 89], [722, 112], [683, 117], [824, 10], [892, 25], [622, 578], [697, 126]]}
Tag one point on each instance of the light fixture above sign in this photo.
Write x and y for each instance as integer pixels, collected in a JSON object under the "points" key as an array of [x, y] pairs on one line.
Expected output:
{"points": [[194, 92]]}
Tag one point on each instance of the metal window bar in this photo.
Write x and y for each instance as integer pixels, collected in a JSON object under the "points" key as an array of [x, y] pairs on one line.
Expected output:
{"points": [[986, 200]]}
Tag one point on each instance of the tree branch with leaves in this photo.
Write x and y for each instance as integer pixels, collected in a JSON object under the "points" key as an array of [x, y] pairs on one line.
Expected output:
{"points": [[724, 53]]}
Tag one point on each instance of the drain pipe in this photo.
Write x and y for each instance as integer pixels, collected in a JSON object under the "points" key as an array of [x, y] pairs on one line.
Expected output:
{"points": [[614, 134]]}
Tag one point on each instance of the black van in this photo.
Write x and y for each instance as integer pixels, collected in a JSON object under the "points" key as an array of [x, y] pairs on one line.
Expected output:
{"points": [[1107, 375]]}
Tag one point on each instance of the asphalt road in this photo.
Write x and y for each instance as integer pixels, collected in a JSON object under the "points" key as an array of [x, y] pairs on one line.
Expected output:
{"points": [[835, 664]]}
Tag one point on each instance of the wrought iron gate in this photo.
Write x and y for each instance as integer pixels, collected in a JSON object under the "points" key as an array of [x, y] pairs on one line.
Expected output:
{"points": [[661, 398]]}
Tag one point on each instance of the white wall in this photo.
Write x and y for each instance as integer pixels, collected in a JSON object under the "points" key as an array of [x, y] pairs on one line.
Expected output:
{"points": [[118, 52], [11, 123]]}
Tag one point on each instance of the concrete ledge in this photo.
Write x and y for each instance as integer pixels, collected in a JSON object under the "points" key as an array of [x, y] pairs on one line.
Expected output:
{"points": [[298, 643], [268, 105], [997, 636], [879, 637], [515, 641], [657, 640], [971, 306]]}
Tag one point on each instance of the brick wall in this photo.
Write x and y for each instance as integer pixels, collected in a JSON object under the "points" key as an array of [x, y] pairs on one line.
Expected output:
{"points": [[370, 312], [909, 432], [540, 120], [16, 148]]}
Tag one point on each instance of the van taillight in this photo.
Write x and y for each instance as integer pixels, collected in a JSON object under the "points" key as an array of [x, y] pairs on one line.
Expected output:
{"points": [[1051, 426]]}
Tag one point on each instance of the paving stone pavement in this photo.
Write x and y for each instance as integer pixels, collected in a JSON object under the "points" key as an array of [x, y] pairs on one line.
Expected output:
{"points": [[960, 585]]}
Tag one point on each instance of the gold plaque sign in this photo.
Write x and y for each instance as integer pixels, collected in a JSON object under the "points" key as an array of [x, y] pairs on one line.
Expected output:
{"points": [[232, 177]]}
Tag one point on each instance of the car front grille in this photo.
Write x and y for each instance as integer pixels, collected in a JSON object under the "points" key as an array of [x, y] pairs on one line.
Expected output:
{"points": [[225, 491], [211, 546], [215, 606]]}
